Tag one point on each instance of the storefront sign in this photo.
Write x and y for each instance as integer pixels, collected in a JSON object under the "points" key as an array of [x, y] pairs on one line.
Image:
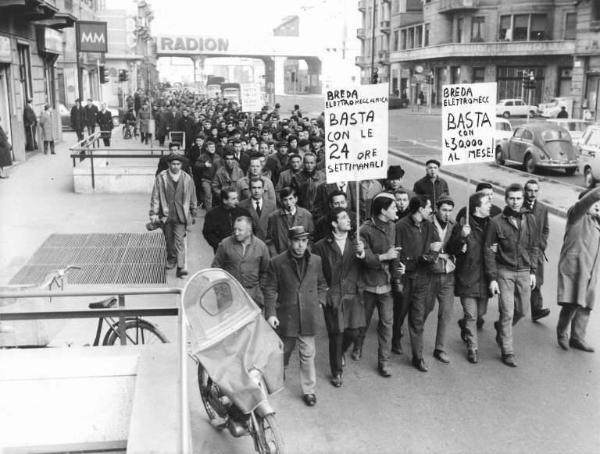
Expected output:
{"points": [[252, 100], [49, 40], [5, 53], [356, 133], [191, 44], [92, 36], [468, 123]]}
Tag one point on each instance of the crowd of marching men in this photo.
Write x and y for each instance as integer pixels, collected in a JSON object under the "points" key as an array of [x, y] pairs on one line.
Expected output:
{"points": [[304, 248]]}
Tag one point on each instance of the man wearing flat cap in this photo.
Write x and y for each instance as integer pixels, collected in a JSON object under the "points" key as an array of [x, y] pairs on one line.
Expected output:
{"points": [[431, 185], [173, 205], [294, 288]]}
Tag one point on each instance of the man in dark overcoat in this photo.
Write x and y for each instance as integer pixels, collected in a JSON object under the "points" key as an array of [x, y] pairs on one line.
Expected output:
{"points": [[344, 310], [294, 287], [77, 119]]}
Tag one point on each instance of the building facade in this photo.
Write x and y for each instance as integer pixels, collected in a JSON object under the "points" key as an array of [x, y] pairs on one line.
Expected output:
{"points": [[420, 45]]}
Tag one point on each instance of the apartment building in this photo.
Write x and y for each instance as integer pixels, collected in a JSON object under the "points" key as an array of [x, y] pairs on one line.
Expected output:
{"points": [[421, 45]]}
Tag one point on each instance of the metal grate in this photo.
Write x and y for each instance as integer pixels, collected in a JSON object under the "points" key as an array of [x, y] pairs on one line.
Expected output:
{"points": [[104, 258]]}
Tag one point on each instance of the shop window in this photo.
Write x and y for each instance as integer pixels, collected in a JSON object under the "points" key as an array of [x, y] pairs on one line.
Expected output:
{"points": [[538, 32], [520, 27], [505, 28], [571, 26], [25, 71], [426, 35], [477, 27]]}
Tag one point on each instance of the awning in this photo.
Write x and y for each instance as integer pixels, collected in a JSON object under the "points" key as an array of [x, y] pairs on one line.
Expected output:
{"points": [[29, 9], [59, 21]]}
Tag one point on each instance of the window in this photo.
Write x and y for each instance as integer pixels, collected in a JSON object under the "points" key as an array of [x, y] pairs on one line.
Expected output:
{"points": [[520, 27], [419, 36], [505, 28], [571, 26], [477, 27], [426, 35], [411, 38], [403, 39], [395, 40], [538, 27], [25, 72], [460, 22], [478, 74], [527, 135]]}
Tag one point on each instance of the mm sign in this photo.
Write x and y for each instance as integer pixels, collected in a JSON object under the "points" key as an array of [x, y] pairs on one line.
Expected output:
{"points": [[92, 36]]}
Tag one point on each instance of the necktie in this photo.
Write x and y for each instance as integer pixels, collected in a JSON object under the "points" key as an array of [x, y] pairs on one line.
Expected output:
{"points": [[258, 207]]}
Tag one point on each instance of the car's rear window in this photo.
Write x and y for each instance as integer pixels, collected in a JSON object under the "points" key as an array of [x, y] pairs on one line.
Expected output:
{"points": [[555, 134], [594, 138], [502, 126]]}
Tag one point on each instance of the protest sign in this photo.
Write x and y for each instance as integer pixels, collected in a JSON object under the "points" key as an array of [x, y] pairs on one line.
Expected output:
{"points": [[251, 97], [468, 123], [356, 133]]}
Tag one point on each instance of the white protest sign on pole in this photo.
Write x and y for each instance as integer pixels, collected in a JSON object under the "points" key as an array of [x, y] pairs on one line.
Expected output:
{"points": [[251, 97], [356, 132], [468, 123]]}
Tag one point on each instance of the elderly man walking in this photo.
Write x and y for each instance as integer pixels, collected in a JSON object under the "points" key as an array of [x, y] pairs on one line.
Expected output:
{"points": [[579, 271], [173, 205]]}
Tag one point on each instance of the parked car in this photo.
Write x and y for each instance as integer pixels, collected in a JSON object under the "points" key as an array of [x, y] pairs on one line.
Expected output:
{"points": [[539, 145], [396, 102], [574, 126], [65, 115], [503, 131], [589, 155], [552, 108], [514, 108]]}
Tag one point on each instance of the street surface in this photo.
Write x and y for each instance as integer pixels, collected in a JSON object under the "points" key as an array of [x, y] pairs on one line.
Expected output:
{"points": [[548, 404]]}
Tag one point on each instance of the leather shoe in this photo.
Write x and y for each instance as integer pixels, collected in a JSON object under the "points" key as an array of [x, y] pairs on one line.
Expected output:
{"points": [[343, 360], [171, 265], [309, 399], [509, 360], [563, 342], [181, 272], [498, 338], [540, 314], [472, 356], [480, 323], [397, 350], [356, 353], [337, 381], [463, 330], [442, 356], [579, 345], [419, 363], [384, 371]]}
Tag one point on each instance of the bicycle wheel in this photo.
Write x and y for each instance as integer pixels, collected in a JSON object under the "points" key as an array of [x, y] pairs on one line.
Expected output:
{"points": [[208, 388], [137, 331], [268, 439]]}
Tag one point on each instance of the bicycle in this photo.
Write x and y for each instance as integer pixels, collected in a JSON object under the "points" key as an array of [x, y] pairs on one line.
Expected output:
{"points": [[136, 329]]}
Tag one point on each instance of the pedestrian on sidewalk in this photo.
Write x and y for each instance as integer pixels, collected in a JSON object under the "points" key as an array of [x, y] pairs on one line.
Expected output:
{"points": [[173, 205], [90, 116], [294, 288], [5, 153], [579, 271], [106, 125], [77, 119], [30, 121], [47, 125]]}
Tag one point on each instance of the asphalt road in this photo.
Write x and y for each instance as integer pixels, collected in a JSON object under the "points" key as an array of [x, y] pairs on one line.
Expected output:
{"points": [[545, 405]]}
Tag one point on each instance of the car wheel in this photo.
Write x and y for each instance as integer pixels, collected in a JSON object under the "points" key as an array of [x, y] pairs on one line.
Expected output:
{"points": [[499, 156], [506, 114], [588, 178], [570, 170], [529, 164]]}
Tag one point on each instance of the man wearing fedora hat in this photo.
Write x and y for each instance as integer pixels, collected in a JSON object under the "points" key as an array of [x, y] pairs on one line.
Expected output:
{"points": [[294, 288], [173, 204]]}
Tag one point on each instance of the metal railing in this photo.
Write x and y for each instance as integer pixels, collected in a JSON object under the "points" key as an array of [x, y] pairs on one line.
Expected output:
{"points": [[119, 312]]}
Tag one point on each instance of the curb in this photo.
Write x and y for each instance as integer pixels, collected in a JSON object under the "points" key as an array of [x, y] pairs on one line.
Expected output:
{"points": [[498, 189]]}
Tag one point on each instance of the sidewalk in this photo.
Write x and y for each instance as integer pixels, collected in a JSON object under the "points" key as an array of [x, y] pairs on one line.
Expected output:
{"points": [[38, 200]]}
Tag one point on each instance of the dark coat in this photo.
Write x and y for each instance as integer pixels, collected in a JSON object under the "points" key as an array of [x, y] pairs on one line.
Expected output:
{"points": [[278, 226], [260, 223], [307, 188], [579, 262], [470, 279], [432, 190], [29, 117], [322, 198], [415, 242], [540, 213], [187, 125], [5, 147], [90, 115], [218, 224], [292, 297], [105, 123], [344, 307], [77, 118], [162, 122], [378, 239]]}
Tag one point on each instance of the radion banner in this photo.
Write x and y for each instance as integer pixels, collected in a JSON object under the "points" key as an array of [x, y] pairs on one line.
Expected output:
{"points": [[356, 133], [92, 36], [252, 100], [468, 123]]}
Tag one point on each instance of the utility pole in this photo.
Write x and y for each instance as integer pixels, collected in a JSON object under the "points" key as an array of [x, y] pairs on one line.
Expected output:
{"points": [[373, 80]]}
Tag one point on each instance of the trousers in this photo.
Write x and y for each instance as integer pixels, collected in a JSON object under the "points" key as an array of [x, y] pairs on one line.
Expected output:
{"points": [[473, 309], [421, 305], [385, 309], [514, 289], [306, 351], [175, 239], [576, 316], [338, 344]]}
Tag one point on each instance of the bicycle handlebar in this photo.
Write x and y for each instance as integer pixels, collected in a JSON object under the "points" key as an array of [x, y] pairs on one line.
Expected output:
{"points": [[57, 276]]}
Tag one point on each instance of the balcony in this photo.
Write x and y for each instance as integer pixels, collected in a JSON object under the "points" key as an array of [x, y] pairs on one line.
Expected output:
{"points": [[384, 26], [451, 6], [362, 60], [362, 5], [494, 49], [361, 33]]}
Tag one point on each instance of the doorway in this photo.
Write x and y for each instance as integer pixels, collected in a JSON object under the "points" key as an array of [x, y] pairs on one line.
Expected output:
{"points": [[4, 102]]}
